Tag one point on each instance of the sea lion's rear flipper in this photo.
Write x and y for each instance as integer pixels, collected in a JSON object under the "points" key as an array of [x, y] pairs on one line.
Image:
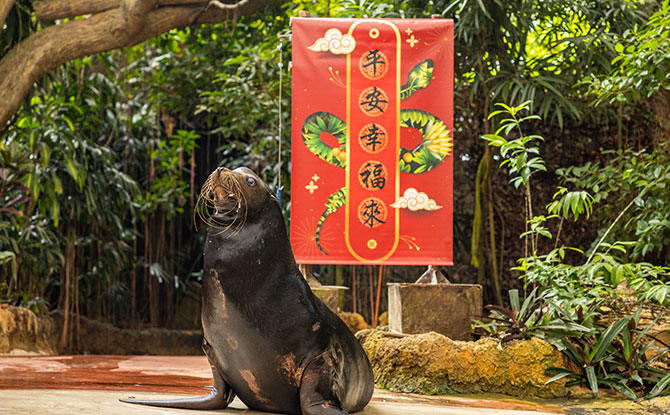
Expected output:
{"points": [[219, 398], [318, 389]]}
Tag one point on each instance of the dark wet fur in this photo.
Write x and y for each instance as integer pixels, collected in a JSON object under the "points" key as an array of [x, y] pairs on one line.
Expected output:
{"points": [[268, 338]]}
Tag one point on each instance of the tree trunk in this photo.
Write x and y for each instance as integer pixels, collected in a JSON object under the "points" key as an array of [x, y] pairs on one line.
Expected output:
{"points": [[354, 293], [339, 281], [372, 296], [69, 271], [379, 290]]}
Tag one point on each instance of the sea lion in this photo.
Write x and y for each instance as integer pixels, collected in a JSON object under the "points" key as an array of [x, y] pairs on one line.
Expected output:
{"points": [[268, 338]]}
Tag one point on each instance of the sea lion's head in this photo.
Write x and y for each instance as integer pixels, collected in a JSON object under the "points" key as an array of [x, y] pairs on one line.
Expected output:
{"points": [[229, 197]]}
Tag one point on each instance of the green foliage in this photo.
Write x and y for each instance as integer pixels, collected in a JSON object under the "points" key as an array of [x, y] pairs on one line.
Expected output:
{"points": [[584, 285], [21, 299], [73, 147], [169, 191], [634, 183], [656, 289], [521, 156], [614, 356], [642, 65], [576, 202], [220, 72], [381, 9], [519, 153], [18, 26], [9, 257], [517, 51], [534, 317], [25, 240]]}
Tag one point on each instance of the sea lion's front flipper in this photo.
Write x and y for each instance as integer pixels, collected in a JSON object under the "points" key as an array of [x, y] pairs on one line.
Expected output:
{"points": [[219, 398], [318, 389]]}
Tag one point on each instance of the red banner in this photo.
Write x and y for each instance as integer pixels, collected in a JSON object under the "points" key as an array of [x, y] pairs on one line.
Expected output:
{"points": [[372, 141]]}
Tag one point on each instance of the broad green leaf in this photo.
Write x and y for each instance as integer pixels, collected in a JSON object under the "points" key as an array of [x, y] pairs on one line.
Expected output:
{"points": [[593, 380], [607, 338], [660, 386], [560, 376]]}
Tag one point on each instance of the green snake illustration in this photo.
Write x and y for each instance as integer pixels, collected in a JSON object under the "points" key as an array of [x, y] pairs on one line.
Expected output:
{"points": [[436, 141]]}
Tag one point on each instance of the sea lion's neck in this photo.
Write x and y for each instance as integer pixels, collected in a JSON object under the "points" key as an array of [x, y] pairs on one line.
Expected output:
{"points": [[247, 258]]}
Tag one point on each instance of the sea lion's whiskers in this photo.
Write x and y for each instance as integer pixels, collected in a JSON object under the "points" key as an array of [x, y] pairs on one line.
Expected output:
{"points": [[221, 184]]}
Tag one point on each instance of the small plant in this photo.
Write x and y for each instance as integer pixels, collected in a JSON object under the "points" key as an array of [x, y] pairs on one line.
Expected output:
{"points": [[616, 357], [519, 154], [534, 317]]}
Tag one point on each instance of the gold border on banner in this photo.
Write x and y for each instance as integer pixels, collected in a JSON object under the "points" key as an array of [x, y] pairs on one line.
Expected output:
{"points": [[348, 203]]}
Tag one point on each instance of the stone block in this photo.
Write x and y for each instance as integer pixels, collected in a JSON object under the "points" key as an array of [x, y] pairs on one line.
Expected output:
{"points": [[329, 294], [447, 309]]}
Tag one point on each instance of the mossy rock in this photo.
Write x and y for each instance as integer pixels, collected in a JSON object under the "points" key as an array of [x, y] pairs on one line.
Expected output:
{"points": [[434, 364], [23, 332]]}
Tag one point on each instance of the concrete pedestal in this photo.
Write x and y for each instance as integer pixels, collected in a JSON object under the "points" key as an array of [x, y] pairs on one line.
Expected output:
{"points": [[447, 309]]}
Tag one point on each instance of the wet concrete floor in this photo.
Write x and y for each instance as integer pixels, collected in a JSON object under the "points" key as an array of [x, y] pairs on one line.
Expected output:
{"points": [[94, 384], [106, 402]]}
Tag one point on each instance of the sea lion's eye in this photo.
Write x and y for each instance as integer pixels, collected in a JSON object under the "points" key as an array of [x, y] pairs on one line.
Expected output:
{"points": [[251, 182]]}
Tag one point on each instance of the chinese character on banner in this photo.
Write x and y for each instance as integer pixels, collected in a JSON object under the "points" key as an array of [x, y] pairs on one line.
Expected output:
{"points": [[372, 141]]}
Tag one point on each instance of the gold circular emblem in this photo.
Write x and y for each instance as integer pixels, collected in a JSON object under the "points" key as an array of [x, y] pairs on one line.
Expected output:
{"points": [[372, 175], [373, 138], [372, 244], [373, 64], [372, 212], [373, 101]]}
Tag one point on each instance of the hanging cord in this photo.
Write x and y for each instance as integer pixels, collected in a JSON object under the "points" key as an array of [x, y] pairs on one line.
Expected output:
{"points": [[280, 188]]}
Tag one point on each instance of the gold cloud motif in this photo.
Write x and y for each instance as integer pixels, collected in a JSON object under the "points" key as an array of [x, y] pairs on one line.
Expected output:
{"points": [[414, 200], [334, 42]]}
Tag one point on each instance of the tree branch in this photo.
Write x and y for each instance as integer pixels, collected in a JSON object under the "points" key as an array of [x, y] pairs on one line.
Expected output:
{"points": [[222, 12], [44, 50], [5, 7], [165, 19], [133, 22], [50, 10]]}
